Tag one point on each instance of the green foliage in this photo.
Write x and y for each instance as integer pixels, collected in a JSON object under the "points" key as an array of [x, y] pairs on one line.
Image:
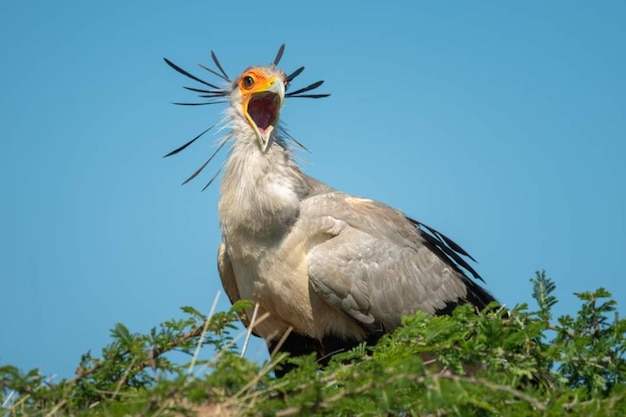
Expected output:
{"points": [[500, 362]]}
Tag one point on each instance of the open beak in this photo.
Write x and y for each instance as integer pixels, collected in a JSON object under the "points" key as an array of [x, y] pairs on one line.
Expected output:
{"points": [[261, 109]]}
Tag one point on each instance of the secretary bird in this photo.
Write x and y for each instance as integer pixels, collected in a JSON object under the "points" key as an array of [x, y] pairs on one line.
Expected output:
{"points": [[328, 269]]}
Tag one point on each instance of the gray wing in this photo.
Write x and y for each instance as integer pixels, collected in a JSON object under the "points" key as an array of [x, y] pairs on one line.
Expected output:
{"points": [[377, 266], [227, 276]]}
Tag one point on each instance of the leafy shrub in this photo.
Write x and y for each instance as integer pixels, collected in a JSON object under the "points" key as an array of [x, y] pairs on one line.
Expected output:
{"points": [[497, 363]]}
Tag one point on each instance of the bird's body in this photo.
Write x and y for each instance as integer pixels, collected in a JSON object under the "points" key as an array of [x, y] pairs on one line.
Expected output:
{"points": [[328, 268]]}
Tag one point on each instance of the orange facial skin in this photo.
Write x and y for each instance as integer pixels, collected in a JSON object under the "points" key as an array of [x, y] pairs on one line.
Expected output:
{"points": [[261, 101], [255, 80]]}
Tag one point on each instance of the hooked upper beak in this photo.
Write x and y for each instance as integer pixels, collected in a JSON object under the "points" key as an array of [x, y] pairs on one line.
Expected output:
{"points": [[262, 107]]}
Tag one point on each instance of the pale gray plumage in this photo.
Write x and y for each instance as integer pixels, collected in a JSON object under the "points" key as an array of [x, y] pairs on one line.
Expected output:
{"points": [[331, 268]]}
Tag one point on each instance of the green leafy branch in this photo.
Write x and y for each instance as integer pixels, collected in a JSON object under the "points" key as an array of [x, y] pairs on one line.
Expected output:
{"points": [[132, 361], [499, 362]]}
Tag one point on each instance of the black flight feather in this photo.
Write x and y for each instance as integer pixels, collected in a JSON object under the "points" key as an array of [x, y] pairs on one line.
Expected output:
{"points": [[453, 245], [444, 247]]}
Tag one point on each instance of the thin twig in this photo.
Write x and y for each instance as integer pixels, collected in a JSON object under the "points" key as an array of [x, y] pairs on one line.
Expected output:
{"points": [[6, 401], [204, 330], [122, 379], [249, 332], [56, 408]]}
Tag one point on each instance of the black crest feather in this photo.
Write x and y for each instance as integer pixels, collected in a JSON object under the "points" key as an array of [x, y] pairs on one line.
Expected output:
{"points": [[217, 95]]}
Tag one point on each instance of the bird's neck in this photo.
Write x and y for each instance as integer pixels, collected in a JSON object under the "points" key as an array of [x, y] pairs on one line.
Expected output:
{"points": [[260, 192]]}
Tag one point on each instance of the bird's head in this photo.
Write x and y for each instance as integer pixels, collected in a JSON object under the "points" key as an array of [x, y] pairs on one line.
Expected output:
{"points": [[256, 97]]}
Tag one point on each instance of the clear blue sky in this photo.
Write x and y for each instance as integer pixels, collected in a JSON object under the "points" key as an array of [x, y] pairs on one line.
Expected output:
{"points": [[503, 125]]}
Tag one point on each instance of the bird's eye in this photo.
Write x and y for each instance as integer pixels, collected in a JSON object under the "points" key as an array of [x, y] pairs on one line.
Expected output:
{"points": [[247, 82]]}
